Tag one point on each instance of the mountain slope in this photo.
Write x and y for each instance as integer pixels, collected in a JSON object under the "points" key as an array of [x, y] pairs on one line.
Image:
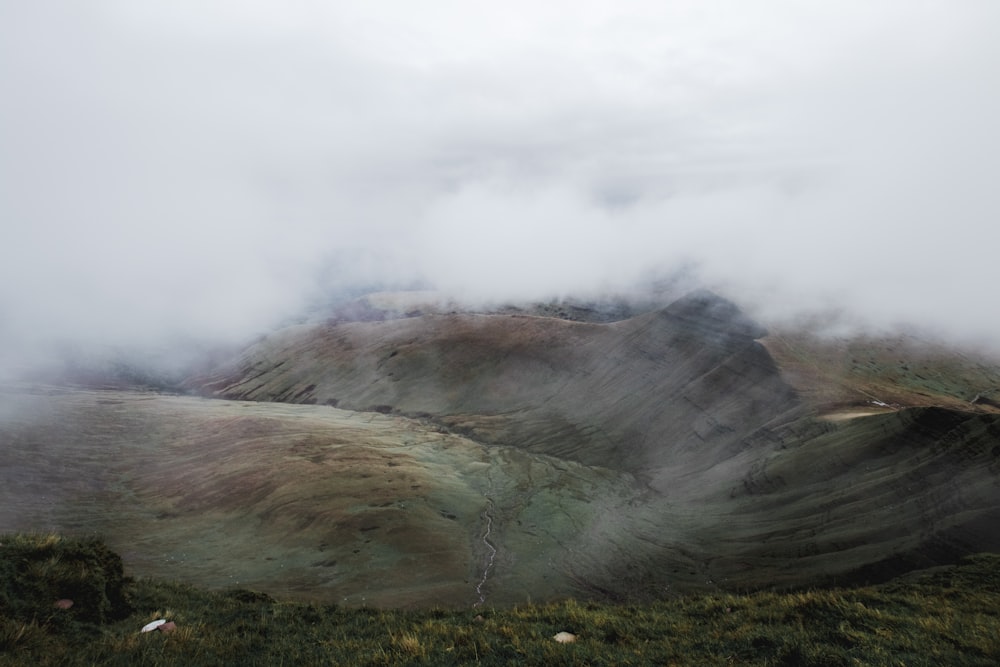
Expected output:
{"points": [[855, 500], [498, 458], [673, 388], [302, 501]]}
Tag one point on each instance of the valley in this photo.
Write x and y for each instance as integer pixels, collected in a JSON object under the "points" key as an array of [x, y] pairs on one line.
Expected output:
{"points": [[462, 459]]}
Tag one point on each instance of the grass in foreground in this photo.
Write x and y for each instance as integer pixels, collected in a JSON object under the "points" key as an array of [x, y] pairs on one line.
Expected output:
{"points": [[948, 616]]}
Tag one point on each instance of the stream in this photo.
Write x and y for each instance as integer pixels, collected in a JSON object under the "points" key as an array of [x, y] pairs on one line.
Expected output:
{"points": [[491, 556]]}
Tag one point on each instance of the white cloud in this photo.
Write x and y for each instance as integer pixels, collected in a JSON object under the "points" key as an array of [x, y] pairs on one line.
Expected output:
{"points": [[183, 166]]}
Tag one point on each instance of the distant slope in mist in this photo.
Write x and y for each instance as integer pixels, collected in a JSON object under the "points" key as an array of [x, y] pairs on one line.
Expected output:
{"points": [[675, 387], [878, 373]]}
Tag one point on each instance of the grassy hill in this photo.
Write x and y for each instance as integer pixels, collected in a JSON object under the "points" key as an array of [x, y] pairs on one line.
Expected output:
{"points": [[507, 459], [945, 616], [871, 374], [685, 381]]}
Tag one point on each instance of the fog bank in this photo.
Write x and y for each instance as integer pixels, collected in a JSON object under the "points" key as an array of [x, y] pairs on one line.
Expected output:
{"points": [[178, 171]]}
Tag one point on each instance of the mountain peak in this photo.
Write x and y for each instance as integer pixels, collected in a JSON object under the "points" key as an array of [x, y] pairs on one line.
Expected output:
{"points": [[707, 311]]}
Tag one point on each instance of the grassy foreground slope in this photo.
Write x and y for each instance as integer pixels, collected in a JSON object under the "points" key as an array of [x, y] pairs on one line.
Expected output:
{"points": [[948, 615]]}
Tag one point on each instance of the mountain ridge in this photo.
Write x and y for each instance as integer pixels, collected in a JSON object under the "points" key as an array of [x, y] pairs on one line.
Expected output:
{"points": [[527, 381]]}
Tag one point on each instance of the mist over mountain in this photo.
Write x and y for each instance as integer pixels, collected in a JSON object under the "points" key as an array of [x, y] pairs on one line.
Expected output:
{"points": [[178, 171], [690, 373], [454, 304]]}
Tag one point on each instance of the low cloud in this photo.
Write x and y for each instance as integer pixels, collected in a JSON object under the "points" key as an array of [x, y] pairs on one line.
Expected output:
{"points": [[204, 170]]}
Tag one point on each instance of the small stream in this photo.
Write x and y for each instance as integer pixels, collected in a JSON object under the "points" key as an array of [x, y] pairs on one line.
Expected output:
{"points": [[491, 556]]}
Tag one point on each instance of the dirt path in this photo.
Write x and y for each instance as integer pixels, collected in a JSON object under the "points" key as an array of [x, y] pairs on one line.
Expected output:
{"points": [[844, 415]]}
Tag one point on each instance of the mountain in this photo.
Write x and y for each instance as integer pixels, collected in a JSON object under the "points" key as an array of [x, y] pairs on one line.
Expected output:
{"points": [[677, 387], [454, 458]]}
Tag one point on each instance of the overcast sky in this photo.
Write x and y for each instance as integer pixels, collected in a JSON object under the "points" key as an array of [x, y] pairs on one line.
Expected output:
{"points": [[204, 168]]}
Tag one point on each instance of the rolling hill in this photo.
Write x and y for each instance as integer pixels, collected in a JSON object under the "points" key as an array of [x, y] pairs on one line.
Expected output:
{"points": [[452, 458]]}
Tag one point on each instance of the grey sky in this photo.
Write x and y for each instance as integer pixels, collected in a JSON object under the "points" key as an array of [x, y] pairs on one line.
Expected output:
{"points": [[192, 168]]}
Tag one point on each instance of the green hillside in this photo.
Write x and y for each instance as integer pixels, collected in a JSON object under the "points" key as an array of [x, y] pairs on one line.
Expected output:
{"points": [[510, 459], [945, 616]]}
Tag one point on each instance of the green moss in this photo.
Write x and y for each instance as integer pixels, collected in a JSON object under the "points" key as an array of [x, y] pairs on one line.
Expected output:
{"points": [[38, 570]]}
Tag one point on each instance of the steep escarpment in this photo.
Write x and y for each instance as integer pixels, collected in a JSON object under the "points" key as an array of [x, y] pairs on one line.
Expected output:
{"points": [[862, 499], [679, 386]]}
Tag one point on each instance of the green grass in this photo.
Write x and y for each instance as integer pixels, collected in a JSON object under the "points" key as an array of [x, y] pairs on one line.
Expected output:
{"points": [[901, 370], [943, 617]]}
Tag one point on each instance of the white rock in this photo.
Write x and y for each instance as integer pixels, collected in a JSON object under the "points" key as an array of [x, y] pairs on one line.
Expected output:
{"points": [[565, 637], [152, 626]]}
